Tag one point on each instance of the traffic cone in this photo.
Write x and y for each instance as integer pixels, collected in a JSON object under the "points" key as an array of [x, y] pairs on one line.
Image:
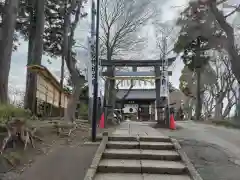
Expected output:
{"points": [[102, 123], [172, 123]]}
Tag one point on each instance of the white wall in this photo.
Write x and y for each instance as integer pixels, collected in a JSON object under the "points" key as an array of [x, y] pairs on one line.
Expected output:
{"points": [[138, 84]]}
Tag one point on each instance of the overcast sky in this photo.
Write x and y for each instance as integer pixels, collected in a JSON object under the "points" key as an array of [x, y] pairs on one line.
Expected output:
{"points": [[170, 12]]}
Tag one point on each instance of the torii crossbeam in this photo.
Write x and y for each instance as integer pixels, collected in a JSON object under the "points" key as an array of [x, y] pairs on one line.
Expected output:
{"points": [[138, 63]]}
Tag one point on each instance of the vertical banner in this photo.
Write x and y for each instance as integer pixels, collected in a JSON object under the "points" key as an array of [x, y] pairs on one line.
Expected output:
{"points": [[100, 80], [164, 84], [155, 114], [90, 68]]}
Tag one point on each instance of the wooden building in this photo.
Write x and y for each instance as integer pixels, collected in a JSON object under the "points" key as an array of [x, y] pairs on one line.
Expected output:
{"points": [[48, 93]]}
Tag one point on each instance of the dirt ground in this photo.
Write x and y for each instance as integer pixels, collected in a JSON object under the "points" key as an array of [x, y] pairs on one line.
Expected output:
{"points": [[55, 157]]}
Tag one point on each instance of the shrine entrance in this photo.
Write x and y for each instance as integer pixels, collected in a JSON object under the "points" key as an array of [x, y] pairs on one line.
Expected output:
{"points": [[152, 98]]}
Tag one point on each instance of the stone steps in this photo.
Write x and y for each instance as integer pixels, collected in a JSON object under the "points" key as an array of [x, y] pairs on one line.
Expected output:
{"points": [[141, 154], [140, 145], [141, 166], [132, 176], [156, 145], [141, 138], [141, 158]]}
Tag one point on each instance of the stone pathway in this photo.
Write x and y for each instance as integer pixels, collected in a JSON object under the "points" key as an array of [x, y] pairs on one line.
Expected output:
{"points": [[64, 163], [138, 152]]}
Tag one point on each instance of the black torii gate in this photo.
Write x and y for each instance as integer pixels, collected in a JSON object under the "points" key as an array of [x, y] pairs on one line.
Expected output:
{"points": [[160, 104]]}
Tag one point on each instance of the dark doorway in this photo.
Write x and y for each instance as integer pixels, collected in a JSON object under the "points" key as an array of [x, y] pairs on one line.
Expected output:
{"points": [[143, 112]]}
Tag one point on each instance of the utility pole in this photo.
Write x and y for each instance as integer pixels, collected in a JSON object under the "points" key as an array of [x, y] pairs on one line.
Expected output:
{"points": [[164, 74], [198, 64], [93, 26], [95, 94], [198, 99]]}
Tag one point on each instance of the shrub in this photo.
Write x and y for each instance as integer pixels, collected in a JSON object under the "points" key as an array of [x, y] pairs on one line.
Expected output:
{"points": [[83, 111], [8, 111]]}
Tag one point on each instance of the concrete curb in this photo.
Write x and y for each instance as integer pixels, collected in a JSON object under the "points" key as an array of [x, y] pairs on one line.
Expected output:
{"points": [[191, 169], [98, 155]]}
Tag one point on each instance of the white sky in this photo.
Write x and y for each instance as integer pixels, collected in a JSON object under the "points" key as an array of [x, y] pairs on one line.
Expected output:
{"points": [[170, 10]]}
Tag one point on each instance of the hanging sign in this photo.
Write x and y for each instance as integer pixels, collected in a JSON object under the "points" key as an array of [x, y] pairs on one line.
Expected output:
{"points": [[90, 67], [164, 84]]}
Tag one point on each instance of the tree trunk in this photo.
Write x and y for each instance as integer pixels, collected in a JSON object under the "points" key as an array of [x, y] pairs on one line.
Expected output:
{"points": [[109, 90], [69, 115], [69, 59], [218, 110], [237, 109], [199, 101], [219, 104], [188, 108], [35, 54], [6, 44], [227, 109], [112, 96], [32, 32]]}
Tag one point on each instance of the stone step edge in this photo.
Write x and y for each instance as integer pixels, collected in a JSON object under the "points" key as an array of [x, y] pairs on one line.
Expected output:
{"points": [[100, 176], [141, 146], [190, 168], [92, 170], [139, 138], [140, 169], [168, 157]]}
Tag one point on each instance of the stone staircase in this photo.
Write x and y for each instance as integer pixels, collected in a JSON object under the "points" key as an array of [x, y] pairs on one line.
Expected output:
{"points": [[141, 158]]}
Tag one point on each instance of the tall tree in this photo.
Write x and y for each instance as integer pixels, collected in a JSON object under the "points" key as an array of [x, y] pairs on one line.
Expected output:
{"points": [[35, 50], [9, 16], [194, 44], [229, 42], [214, 26]]}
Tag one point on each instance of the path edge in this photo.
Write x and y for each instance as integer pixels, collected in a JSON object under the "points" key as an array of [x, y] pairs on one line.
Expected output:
{"points": [[97, 157], [190, 168]]}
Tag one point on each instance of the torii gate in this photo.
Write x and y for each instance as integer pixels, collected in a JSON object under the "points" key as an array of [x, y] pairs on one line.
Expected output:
{"points": [[160, 103]]}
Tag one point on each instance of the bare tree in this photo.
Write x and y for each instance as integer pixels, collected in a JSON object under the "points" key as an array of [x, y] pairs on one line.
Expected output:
{"points": [[208, 102], [16, 96], [224, 81], [166, 36], [220, 95], [121, 21], [7, 28], [188, 84]]}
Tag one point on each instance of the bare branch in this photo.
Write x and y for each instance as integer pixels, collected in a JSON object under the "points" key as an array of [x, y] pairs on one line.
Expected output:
{"points": [[120, 21], [237, 9]]}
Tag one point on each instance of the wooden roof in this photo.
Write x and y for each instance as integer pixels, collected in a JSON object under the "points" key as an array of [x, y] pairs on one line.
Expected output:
{"points": [[43, 71]]}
